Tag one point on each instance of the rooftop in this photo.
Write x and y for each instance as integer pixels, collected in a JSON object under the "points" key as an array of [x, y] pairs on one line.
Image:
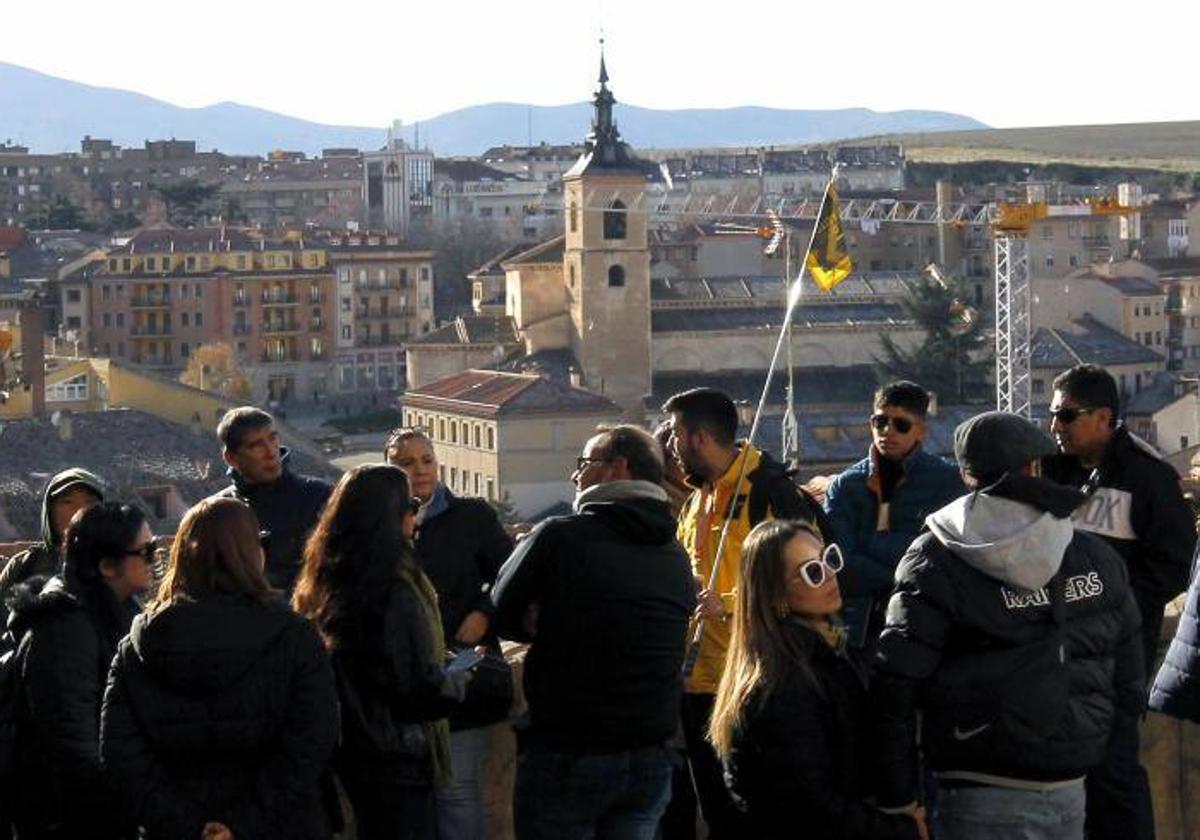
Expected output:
{"points": [[473, 329], [1087, 341], [550, 251], [490, 393], [771, 317]]}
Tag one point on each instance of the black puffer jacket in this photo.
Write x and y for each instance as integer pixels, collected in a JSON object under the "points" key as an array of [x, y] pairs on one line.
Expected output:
{"points": [[614, 593], [221, 710], [1015, 635], [65, 656], [801, 756], [461, 547], [388, 685], [288, 508]]}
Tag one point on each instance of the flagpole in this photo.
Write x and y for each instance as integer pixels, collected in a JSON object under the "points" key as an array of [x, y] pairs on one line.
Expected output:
{"points": [[794, 294]]}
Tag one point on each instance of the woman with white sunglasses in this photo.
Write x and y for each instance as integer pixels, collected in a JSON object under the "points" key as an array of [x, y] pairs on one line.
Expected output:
{"points": [[790, 720]]}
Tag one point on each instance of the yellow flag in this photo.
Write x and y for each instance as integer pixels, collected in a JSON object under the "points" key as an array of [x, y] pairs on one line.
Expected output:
{"points": [[828, 262]]}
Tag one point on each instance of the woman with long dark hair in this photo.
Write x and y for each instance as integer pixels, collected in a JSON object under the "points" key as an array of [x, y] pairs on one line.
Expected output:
{"points": [[221, 712], [69, 632], [460, 546], [361, 586], [790, 719]]}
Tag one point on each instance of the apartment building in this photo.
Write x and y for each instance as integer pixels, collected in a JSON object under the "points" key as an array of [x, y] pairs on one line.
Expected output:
{"points": [[166, 292]]}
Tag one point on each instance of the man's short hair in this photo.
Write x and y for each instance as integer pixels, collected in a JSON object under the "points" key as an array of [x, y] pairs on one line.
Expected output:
{"points": [[903, 394], [708, 409], [237, 422], [641, 451], [1091, 386]]}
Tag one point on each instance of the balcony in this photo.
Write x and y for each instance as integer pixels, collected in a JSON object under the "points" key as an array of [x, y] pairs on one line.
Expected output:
{"points": [[243, 329], [150, 301], [377, 341], [152, 330], [272, 358], [241, 300], [155, 361], [316, 297], [315, 324], [379, 285], [280, 327], [276, 298]]}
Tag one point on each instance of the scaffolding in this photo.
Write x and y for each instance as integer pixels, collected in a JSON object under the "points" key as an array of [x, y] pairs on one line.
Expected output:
{"points": [[1013, 324]]}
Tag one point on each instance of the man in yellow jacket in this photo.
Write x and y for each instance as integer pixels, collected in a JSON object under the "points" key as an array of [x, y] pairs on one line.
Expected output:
{"points": [[704, 426]]}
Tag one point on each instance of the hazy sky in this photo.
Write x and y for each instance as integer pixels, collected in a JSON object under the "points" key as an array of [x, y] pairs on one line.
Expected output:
{"points": [[1049, 62]]}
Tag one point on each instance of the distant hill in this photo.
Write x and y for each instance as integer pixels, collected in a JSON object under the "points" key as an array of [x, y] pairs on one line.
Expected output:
{"points": [[49, 114], [1173, 146]]}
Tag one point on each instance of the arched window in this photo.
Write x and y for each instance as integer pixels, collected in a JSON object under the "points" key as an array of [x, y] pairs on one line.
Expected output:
{"points": [[616, 275], [574, 215], [614, 221]]}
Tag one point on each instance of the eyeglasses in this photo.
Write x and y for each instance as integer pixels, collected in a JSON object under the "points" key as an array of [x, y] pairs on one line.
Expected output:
{"points": [[1069, 414], [815, 571], [147, 552], [581, 463], [902, 425]]}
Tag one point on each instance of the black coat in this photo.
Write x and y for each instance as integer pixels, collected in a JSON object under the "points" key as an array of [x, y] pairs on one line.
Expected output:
{"points": [[1139, 510], [288, 508], [1176, 689], [388, 685], [614, 593], [67, 645], [461, 549], [1012, 683], [221, 710], [801, 757]]}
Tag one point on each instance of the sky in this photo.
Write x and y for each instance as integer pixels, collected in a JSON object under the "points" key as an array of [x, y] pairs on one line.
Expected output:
{"points": [[366, 62]]}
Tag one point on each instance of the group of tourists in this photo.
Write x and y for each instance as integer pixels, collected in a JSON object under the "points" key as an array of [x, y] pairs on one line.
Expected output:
{"points": [[924, 649]]}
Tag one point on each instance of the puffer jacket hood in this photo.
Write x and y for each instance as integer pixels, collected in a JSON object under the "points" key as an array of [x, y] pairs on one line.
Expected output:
{"points": [[202, 647], [1007, 540], [58, 483], [38, 596], [638, 510]]}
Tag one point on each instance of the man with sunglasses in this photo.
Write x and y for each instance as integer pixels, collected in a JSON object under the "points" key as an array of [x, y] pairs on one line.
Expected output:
{"points": [[879, 505], [1016, 638], [1137, 507]]}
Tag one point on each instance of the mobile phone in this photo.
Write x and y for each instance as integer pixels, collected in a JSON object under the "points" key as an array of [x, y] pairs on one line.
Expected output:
{"points": [[466, 660]]}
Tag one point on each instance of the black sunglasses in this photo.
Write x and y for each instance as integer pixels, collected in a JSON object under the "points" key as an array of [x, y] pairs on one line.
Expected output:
{"points": [[901, 424], [147, 552], [1069, 414]]}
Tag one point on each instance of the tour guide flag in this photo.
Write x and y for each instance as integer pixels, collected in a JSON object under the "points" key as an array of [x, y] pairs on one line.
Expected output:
{"points": [[828, 262]]}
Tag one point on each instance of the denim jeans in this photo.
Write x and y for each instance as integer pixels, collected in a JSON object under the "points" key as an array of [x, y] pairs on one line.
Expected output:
{"points": [[460, 806], [580, 796], [994, 813]]}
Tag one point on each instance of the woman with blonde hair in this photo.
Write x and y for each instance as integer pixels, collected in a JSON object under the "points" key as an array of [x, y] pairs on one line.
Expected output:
{"points": [[790, 719], [221, 712]]}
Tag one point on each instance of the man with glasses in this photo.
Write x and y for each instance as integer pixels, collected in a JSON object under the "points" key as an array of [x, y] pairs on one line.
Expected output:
{"points": [[1016, 638], [1136, 505], [604, 597], [879, 505]]}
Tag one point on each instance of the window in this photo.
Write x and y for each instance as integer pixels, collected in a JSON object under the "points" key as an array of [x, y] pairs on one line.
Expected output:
{"points": [[424, 272], [70, 390], [616, 275], [441, 428], [453, 432], [199, 319], [574, 216], [466, 480], [150, 264], [491, 439], [571, 275], [346, 336], [120, 319], [240, 261], [106, 293], [183, 319], [1049, 261], [454, 476], [184, 350], [198, 290], [491, 488], [615, 221], [477, 437], [191, 262], [107, 320]]}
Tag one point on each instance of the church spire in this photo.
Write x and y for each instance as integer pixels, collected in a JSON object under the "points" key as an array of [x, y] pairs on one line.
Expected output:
{"points": [[603, 147]]}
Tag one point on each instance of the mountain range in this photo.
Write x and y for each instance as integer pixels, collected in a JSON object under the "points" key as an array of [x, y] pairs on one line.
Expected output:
{"points": [[50, 115]]}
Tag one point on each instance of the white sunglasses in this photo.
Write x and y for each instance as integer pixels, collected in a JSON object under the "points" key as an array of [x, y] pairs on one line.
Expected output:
{"points": [[830, 562]]}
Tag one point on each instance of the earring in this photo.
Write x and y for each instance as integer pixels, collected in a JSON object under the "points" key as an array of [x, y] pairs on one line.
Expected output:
{"points": [[782, 611]]}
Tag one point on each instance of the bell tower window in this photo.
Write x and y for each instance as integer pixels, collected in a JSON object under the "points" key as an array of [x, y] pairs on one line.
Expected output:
{"points": [[616, 275], [614, 221]]}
